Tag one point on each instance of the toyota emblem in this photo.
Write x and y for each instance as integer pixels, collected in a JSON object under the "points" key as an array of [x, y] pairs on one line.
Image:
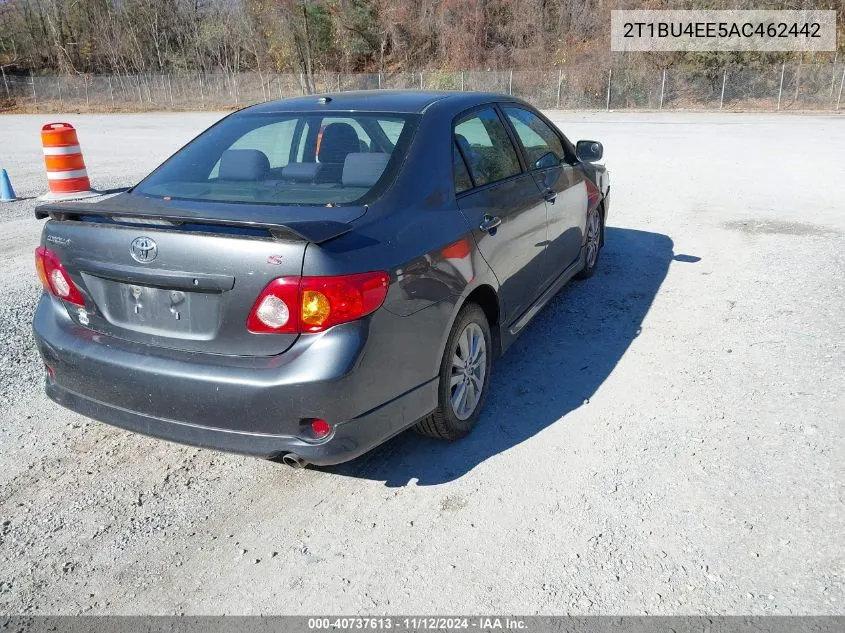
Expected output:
{"points": [[143, 249]]}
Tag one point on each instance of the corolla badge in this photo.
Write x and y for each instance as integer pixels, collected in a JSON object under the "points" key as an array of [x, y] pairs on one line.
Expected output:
{"points": [[143, 249]]}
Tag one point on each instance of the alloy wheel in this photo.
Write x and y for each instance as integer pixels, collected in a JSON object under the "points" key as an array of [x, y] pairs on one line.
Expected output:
{"points": [[593, 237], [469, 368]]}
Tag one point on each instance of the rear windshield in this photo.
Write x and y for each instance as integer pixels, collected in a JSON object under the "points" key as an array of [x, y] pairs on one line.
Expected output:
{"points": [[311, 159]]}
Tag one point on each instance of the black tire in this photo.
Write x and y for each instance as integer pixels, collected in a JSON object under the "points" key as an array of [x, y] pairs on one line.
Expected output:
{"points": [[445, 423], [590, 266]]}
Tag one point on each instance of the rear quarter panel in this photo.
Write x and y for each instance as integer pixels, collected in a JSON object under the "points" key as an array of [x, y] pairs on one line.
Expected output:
{"points": [[416, 233]]}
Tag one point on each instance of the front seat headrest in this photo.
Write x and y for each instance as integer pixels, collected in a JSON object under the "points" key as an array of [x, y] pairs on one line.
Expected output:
{"points": [[243, 164], [338, 141]]}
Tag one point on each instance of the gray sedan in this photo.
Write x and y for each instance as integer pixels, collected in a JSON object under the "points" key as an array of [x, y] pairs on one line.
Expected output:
{"points": [[310, 277]]}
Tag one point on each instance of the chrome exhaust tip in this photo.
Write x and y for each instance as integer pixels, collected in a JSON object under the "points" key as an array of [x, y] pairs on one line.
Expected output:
{"points": [[294, 461]]}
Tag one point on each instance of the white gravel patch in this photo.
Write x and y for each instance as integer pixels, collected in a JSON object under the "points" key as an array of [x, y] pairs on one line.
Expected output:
{"points": [[666, 438]]}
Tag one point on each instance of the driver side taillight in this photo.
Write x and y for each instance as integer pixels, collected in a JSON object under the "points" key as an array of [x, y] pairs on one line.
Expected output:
{"points": [[54, 277]]}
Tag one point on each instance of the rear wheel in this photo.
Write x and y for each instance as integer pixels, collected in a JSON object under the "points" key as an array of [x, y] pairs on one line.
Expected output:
{"points": [[593, 243], [464, 376]]}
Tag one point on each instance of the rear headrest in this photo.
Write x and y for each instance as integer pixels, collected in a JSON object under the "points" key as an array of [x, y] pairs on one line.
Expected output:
{"points": [[243, 164], [301, 172], [363, 169]]}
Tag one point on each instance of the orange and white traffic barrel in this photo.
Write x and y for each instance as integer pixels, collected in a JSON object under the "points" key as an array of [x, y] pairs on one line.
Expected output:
{"points": [[66, 173]]}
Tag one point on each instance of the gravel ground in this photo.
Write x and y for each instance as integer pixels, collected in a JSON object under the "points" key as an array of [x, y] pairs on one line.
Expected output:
{"points": [[666, 438]]}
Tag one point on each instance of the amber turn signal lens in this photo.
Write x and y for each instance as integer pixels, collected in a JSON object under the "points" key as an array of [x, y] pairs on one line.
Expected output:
{"points": [[315, 307], [42, 273]]}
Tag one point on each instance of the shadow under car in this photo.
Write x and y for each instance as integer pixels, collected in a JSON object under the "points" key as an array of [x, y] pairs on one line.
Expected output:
{"points": [[561, 359]]}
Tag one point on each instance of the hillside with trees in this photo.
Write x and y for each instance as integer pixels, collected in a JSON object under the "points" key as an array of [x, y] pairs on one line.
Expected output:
{"points": [[309, 36]]}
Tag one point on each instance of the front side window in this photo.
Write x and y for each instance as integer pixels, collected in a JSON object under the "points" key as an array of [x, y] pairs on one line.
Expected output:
{"points": [[284, 158], [536, 137], [487, 147]]}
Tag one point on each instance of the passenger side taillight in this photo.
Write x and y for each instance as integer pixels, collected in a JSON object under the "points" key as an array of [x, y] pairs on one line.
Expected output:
{"points": [[276, 308], [54, 277], [313, 304]]}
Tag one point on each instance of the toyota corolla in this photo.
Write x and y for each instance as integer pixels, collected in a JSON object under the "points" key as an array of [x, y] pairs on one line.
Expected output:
{"points": [[310, 277]]}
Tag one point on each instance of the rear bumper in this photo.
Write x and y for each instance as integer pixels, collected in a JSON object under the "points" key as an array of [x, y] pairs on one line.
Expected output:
{"points": [[348, 440], [251, 405]]}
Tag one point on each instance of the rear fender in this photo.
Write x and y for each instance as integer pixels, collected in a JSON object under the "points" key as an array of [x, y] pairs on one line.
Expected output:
{"points": [[486, 279]]}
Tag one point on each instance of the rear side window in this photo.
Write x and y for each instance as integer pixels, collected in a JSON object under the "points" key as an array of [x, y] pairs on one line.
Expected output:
{"points": [[284, 158], [487, 147], [391, 129], [461, 175], [536, 137]]}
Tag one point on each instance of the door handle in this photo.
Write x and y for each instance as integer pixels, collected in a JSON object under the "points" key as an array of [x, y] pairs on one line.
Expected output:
{"points": [[550, 195], [489, 222]]}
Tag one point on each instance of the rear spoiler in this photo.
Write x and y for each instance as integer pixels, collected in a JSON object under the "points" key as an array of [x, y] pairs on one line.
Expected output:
{"points": [[316, 231]]}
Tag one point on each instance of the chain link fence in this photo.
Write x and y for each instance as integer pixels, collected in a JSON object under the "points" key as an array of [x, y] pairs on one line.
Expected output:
{"points": [[621, 87]]}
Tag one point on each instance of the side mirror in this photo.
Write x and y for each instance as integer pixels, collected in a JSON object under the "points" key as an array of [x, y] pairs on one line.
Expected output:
{"points": [[549, 159], [589, 151]]}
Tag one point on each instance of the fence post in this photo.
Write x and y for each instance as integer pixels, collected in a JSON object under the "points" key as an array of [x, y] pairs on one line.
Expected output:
{"points": [[111, 91], [59, 85], [663, 88], [379, 80], [609, 80], [724, 81], [462, 81], [85, 83], [559, 82], [421, 80], [780, 90], [510, 83], [840, 89], [9, 95], [35, 97], [833, 76]]}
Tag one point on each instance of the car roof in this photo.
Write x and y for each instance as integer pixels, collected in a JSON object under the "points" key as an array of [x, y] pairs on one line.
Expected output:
{"points": [[403, 101]]}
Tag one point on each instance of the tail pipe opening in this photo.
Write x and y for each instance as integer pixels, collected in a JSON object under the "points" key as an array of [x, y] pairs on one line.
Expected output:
{"points": [[294, 461]]}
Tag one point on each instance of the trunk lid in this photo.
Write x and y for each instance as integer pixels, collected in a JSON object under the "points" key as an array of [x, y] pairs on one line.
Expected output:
{"points": [[182, 276]]}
